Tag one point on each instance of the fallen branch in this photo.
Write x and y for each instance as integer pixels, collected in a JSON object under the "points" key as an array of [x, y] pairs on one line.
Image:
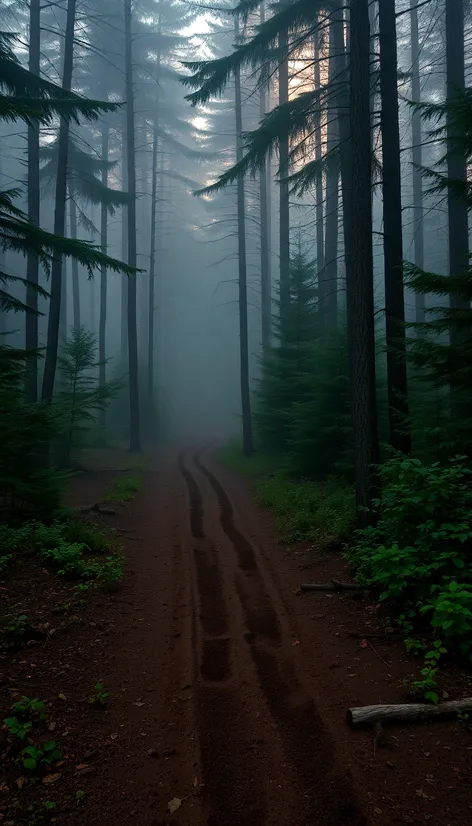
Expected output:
{"points": [[334, 585], [97, 507], [406, 712], [385, 635]]}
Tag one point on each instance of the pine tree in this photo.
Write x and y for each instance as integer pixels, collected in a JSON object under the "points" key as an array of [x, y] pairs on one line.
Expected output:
{"points": [[285, 364], [81, 398], [442, 350]]}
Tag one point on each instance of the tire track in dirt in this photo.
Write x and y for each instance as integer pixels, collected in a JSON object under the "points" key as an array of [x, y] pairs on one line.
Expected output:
{"points": [[327, 798], [261, 617], [232, 793]]}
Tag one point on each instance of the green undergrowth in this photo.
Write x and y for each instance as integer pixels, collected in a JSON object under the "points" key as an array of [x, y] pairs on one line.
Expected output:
{"points": [[306, 510], [124, 490], [418, 553], [74, 548]]}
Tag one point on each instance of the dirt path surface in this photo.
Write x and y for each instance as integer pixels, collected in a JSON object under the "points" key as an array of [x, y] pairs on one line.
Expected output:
{"points": [[229, 690], [219, 714]]}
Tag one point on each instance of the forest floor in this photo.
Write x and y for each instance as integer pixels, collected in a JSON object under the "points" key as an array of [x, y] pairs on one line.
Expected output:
{"points": [[228, 689]]}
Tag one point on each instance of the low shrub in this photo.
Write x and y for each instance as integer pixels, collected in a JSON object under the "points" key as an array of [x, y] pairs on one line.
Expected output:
{"points": [[124, 490], [320, 512], [418, 554]]}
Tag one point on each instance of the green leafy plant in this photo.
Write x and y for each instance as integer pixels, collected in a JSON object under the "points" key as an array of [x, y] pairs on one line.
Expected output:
{"points": [[100, 696], [309, 511], [111, 572], [95, 538], [37, 759], [25, 708], [18, 728], [124, 490], [418, 552], [49, 805], [414, 646], [18, 630], [426, 687], [80, 797], [450, 610]]}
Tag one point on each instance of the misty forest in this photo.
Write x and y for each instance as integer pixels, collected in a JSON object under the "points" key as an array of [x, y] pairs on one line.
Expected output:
{"points": [[235, 412]]}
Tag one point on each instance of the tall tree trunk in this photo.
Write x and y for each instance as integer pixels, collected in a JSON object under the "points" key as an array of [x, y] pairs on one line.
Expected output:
{"points": [[152, 269], [59, 216], [284, 216], [242, 280], [320, 251], [397, 383], [417, 152], [124, 248], [134, 416], [360, 274], [264, 217], [32, 266], [329, 279], [343, 103], [75, 264], [102, 325], [63, 320], [457, 161]]}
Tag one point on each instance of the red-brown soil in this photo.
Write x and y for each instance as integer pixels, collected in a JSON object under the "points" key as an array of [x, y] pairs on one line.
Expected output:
{"points": [[228, 689]]}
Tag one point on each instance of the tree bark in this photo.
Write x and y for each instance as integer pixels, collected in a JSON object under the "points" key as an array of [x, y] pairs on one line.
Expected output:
{"points": [[59, 216], [329, 309], [32, 265], [320, 256], [457, 162], [124, 248], [152, 269], [397, 383], [102, 324], [134, 417], [407, 712], [242, 275], [75, 265], [342, 104], [264, 183], [284, 216], [417, 157], [359, 279]]}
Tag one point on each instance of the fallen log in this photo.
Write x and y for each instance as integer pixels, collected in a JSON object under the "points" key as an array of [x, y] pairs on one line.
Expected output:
{"points": [[334, 585], [406, 712]]}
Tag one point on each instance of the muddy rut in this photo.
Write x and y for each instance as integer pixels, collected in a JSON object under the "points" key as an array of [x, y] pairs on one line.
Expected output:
{"points": [[266, 756]]}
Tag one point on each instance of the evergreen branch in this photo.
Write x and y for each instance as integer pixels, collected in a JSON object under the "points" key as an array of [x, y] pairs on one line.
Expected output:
{"points": [[428, 282], [210, 77], [291, 119], [22, 236]]}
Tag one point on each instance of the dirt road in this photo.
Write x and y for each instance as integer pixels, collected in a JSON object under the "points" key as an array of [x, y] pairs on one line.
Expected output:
{"points": [[265, 754], [228, 691], [212, 705]]}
